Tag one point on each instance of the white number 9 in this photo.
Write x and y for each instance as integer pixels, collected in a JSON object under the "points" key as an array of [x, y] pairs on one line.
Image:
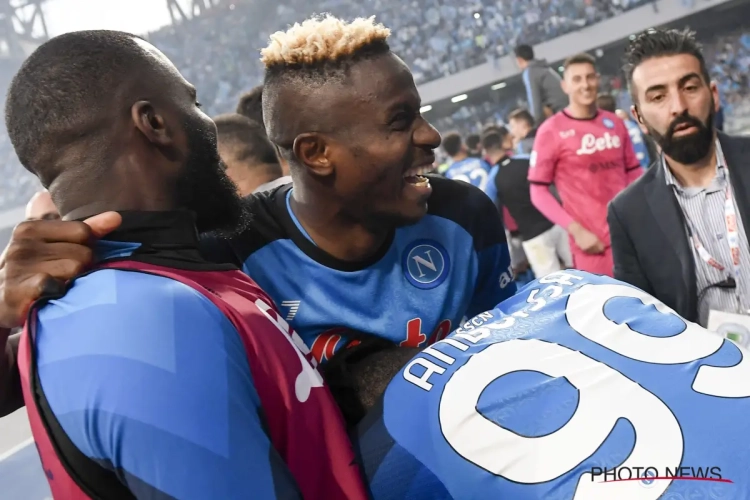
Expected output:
{"points": [[605, 396]]}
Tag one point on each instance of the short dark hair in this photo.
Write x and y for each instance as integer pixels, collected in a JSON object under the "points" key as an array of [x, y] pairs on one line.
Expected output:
{"points": [[659, 43], [607, 102], [472, 141], [582, 58], [251, 104], [525, 52], [452, 142], [523, 115], [358, 374], [62, 93], [494, 138], [247, 140]]}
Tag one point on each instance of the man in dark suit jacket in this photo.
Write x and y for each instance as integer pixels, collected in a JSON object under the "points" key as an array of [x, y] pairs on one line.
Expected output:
{"points": [[649, 240], [684, 191]]}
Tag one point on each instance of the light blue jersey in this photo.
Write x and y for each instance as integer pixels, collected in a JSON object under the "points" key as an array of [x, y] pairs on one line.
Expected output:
{"points": [[578, 387]]}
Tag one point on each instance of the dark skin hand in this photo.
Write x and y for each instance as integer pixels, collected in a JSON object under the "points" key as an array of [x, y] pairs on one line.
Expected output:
{"points": [[42, 256]]}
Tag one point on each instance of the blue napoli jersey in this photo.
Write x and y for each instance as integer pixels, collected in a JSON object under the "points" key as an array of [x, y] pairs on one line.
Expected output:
{"points": [[165, 398], [639, 144], [579, 387], [475, 171], [423, 282]]}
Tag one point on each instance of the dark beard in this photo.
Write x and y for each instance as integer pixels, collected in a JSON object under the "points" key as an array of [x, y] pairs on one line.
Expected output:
{"points": [[204, 187], [689, 149]]}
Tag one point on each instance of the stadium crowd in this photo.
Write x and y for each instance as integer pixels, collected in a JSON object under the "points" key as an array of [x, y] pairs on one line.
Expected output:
{"points": [[241, 274]]}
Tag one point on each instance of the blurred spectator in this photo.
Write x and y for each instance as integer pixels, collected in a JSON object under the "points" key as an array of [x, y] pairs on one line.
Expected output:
{"points": [[523, 130], [543, 85], [249, 156]]}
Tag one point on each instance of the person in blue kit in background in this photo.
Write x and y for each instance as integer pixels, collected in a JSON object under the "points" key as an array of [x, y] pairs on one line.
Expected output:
{"points": [[362, 240], [152, 380], [464, 167], [533, 399], [607, 102]]}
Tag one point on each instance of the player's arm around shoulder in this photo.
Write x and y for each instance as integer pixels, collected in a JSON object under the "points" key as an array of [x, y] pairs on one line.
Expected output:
{"points": [[149, 378], [478, 215]]}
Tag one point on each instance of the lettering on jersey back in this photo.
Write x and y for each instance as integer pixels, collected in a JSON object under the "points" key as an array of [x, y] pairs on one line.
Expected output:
{"points": [[426, 264], [591, 144], [309, 377], [658, 441]]}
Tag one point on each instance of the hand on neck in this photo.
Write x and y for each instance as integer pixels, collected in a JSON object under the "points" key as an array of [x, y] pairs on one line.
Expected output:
{"points": [[334, 232]]}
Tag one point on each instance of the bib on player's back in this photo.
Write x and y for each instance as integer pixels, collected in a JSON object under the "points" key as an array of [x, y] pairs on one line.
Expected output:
{"points": [[579, 387], [285, 382]]}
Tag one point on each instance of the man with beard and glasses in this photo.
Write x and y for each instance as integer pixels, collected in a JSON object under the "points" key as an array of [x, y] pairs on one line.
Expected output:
{"points": [[156, 374], [362, 240], [678, 232]]}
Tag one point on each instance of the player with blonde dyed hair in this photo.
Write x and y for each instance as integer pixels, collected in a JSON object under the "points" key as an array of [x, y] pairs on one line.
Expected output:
{"points": [[355, 228]]}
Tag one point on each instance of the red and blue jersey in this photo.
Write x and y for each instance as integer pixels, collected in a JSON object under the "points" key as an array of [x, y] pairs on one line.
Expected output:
{"points": [[417, 287], [579, 387], [171, 377]]}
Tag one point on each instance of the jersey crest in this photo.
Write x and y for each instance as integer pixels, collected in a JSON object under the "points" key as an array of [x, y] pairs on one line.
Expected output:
{"points": [[579, 387]]}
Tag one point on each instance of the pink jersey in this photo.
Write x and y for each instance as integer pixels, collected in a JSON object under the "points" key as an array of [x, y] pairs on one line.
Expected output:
{"points": [[588, 161]]}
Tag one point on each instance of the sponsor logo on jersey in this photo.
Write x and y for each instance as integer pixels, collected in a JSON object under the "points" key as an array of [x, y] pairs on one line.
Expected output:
{"points": [[591, 144], [565, 134], [608, 123], [293, 306], [426, 264]]}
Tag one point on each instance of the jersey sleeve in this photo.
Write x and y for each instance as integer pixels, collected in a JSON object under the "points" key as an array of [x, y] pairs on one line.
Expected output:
{"points": [[543, 159], [149, 379], [495, 277]]}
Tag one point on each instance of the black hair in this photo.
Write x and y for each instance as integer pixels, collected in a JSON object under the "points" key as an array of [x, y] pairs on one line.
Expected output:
{"points": [[523, 115], [298, 80], [525, 52], [607, 102], [659, 43], [472, 141], [64, 93], [251, 104], [494, 138], [452, 142], [248, 141], [358, 374], [582, 58]]}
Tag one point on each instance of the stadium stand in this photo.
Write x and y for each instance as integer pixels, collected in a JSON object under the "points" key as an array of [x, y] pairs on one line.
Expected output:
{"points": [[217, 51]]}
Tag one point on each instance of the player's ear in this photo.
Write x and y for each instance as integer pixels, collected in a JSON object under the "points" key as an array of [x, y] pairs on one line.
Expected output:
{"points": [[314, 151], [151, 123], [563, 84], [715, 94], [638, 118]]}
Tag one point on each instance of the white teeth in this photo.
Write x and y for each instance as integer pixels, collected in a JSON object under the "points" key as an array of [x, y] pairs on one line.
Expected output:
{"points": [[415, 171]]}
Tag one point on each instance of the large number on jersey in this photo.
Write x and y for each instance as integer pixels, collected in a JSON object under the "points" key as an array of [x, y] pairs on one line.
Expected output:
{"points": [[605, 395], [477, 177]]}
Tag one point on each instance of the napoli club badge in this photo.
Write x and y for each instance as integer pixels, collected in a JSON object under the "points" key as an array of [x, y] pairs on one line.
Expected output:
{"points": [[608, 123]]}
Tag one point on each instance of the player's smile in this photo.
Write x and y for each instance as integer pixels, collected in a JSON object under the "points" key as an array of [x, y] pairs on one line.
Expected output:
{"points": [[415, 180]]}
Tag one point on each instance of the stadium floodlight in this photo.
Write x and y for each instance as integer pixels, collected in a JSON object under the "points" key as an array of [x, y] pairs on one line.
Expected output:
{"points": [[425, 109], [459, 98], [499, 86]]}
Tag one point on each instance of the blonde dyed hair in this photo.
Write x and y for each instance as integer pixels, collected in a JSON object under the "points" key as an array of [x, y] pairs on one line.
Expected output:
{"points": [[322, 39]]}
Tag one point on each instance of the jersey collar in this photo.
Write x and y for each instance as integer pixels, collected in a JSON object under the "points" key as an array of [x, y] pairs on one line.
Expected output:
{"points": [[162, 238]]}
